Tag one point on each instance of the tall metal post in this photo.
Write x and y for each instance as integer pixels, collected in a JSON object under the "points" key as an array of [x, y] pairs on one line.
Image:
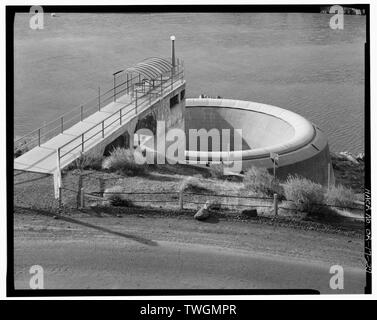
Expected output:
{"points": [[114, 74], [172, 38], [62, 124], [171, 83]]}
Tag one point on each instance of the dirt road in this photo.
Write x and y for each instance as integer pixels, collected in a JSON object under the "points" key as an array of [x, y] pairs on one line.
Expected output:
{"points": [[139, 252]]}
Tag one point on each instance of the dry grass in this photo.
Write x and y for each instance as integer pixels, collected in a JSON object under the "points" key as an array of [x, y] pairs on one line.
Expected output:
{"points": [[87, 162], [305, 194], [125, 161], [340, 196], [261, 182]]}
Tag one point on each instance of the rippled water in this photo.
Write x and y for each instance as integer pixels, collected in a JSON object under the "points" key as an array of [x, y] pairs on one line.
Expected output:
{"points": [[292, 60]]}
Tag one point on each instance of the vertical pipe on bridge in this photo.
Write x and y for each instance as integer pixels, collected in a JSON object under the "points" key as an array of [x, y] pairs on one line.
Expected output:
{"points": [[172, 38], [114, 74]]}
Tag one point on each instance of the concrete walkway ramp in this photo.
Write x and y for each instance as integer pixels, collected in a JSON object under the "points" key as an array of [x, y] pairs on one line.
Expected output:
{"points": [[44, 158]]}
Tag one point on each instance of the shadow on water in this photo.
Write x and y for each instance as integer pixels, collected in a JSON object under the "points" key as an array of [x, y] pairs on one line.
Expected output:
{"points": [[89, 225]]}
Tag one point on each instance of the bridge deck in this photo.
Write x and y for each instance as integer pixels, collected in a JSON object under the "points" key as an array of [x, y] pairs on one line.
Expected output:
{"points": [[43, 158]]}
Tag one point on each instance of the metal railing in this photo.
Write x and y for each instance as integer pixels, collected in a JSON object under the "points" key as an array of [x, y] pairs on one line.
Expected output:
{"points": [[142, 93], [123, 84]]}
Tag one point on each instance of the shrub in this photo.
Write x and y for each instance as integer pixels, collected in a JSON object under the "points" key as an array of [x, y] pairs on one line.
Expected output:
{"points": [[260, 181], [116, 198], [340, 196], [306, 195], [87, 161], [123, 160]]}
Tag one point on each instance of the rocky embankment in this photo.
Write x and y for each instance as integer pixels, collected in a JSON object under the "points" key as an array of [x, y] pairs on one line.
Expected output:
{"points": [[349, 170]]}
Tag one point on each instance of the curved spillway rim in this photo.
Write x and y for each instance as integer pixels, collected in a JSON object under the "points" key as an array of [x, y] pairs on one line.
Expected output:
{"points": [[304, 131]]}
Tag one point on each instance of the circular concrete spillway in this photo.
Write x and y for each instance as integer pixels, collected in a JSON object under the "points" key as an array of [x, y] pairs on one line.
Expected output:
{"points": [[302, 147]]}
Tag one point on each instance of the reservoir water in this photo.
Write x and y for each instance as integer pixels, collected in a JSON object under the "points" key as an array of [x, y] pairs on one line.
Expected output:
{"points": [[291, 60]]}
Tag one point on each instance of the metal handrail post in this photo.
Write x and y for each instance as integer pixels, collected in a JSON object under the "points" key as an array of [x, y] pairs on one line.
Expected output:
{"points": [[39, 137], [62, 124], [81, 113], [120, 116], [103, 129], [82, 143]]}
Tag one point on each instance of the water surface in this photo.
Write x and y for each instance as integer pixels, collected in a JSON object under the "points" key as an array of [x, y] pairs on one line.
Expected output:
{"points": [[291, 60]]}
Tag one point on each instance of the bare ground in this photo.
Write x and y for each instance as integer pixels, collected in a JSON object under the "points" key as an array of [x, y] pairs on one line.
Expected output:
{"points": [[137, 250], [155, 245]]}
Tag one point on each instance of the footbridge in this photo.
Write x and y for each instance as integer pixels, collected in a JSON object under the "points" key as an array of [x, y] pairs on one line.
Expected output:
{"points": [[155, 86]]}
